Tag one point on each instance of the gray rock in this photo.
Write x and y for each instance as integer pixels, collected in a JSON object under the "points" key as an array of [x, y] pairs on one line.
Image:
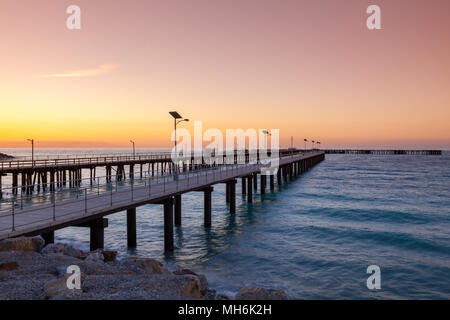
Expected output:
{"points": [[222, 296], [142, 265], [257, 293], [202, 279], [65, 249], [34, 244], [95, 256]]}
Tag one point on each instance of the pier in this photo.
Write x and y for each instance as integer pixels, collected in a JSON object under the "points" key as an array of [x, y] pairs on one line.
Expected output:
{"points": [[384, 152], [90, 209]]}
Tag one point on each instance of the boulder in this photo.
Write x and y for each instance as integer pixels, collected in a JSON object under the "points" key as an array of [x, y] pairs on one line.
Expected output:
{"points": [[57, 289], [8, 266], [192, 287], [257, 293], [95, 256], [201, 278], [22, 244], [222, 296], [143, 265], [109, 255], [65, 249]]}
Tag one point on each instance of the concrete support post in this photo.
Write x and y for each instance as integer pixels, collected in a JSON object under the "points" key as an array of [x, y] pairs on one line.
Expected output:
{"points": [[49, 237], [244, 187], [272, 182], [168, 224], [207, 206], [279, 181], [249, 189], [227, 192], [263, 183], [131, 228], [233, 196], [97, 234], [255, 181], [178, 210]]}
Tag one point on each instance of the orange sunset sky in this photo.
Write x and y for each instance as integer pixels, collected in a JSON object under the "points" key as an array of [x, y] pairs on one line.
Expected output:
{"points": [[310, 68]]}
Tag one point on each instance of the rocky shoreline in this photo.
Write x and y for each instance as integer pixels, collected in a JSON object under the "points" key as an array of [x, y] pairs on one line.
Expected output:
{"points": [[4, 156], [30, 270]]}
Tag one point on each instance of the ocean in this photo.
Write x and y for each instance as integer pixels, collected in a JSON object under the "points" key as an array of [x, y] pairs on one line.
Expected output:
{"points": [[313, 237]]}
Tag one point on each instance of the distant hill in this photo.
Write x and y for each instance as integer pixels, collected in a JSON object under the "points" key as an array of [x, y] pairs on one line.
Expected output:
{"points": [[5, 156]]}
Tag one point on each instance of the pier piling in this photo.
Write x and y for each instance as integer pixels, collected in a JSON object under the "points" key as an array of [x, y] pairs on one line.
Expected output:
{"points": [[178, 210], [207, 206], [168, 224], [233, 196], [97, 234], [249, 189], [131, 228]]}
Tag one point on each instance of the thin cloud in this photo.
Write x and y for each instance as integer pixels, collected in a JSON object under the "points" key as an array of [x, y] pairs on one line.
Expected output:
{"points": [[104, 68]]}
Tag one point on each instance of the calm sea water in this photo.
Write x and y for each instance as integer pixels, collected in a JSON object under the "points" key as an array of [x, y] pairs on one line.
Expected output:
{"points": [[315, 236]]}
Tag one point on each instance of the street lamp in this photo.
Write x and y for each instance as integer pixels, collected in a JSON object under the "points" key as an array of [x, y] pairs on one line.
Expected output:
{"points": [[177, 118], [305, 140], [266, 133], [318, 143], [312, 144], [134, 150], [32, 151]]}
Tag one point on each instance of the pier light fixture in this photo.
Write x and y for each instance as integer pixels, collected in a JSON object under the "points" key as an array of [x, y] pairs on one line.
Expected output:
{"points": [[32, 151], [313, 144], [266, 133], [134, 149], [177, 118], [305, 140], [318, 144]]}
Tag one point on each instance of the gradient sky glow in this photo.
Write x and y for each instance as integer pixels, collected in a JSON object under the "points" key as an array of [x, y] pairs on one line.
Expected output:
{"points": [[308, 67]]}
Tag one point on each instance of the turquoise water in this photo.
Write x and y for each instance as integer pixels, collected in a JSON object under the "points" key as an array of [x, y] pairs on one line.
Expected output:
{"points": [[315, 236]]}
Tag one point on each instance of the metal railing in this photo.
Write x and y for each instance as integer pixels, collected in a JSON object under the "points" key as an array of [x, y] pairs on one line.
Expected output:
{"points": [[86, 202], [79, 161]]}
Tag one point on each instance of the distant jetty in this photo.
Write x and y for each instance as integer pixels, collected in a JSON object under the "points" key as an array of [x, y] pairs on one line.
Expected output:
{"points": [[384, 152], [5, 156]]}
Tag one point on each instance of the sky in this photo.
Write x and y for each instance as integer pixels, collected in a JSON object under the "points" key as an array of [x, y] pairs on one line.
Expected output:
{"points": [[309, 68]]}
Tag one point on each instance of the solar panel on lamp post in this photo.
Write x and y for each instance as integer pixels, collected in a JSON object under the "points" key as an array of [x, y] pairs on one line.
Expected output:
{"points": [[177, 118]]}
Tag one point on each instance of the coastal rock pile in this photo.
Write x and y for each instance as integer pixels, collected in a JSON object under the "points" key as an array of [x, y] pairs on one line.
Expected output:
{"points": [[30, 271], [5, 156]]}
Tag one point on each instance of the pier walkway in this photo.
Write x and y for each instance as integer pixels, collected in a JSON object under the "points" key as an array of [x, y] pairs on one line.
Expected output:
{"points": [[89, 210]]}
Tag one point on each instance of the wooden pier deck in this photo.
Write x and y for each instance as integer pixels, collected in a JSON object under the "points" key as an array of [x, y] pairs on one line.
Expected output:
{"points": [[89, 210]]}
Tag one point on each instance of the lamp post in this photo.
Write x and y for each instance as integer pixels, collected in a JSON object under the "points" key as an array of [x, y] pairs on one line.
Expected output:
{"points": [[266, 133], [32, 151], [177, 118], [313, 144], [134, 150], [305, 140], [318, 144]]}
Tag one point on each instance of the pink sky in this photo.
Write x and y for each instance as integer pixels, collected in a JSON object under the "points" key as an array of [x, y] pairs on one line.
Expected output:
{"points": [[309, 68]]}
